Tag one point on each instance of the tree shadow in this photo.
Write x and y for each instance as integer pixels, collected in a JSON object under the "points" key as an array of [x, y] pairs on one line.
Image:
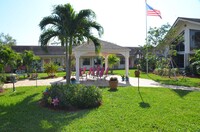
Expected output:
{"points": [[113, 90], [28, 115], [17, 93], [143, 104], [181, 92]]}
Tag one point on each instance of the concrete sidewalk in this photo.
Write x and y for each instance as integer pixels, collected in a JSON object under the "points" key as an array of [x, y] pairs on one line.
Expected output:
{"points": [[99, 82]]}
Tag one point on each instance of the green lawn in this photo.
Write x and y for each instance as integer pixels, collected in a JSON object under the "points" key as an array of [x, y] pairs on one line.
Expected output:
{"points": [[187, 81], [123, 110]]}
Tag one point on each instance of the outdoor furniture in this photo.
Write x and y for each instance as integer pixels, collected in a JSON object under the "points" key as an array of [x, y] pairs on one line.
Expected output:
{"points": [[101, 73], [90, 71], [82, 73]]}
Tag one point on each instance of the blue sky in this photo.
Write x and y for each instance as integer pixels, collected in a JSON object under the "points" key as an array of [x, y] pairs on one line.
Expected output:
{"points": [[124, 21]]}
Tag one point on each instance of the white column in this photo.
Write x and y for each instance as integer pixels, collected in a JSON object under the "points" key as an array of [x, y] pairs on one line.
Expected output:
{"points": [[187, 46], [77, 56], [127, 63], [126, 55], [106, 62], [187, 40]]}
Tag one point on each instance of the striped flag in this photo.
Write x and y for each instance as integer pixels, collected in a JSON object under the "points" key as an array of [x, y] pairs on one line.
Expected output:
{"points": [[152, 12]]}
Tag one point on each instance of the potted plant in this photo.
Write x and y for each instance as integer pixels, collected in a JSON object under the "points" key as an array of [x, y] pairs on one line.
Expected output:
{"points": [[113, 83], [73, 80], [137, 71]]}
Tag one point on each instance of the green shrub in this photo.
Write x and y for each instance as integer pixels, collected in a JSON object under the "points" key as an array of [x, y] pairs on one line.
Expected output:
{"points": [[50, 69], [158, 71], [165, 71], [2, 78], [67, 96]]}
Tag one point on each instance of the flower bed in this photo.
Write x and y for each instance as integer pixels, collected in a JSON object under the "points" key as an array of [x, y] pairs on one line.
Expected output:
{"points": [[68, 96]]}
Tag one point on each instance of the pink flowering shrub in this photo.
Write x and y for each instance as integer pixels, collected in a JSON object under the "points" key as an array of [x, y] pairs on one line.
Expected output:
{"points": [[67, 96]]}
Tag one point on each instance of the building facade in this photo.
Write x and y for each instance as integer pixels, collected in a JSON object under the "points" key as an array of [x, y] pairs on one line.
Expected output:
{"points": [[56, 54], [189, 29]]}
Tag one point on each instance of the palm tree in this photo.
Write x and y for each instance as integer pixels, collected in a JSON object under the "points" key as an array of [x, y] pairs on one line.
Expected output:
{"points": [[70, 28], [113, 60]]}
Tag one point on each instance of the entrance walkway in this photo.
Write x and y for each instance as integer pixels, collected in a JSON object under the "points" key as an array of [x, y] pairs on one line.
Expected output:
{"points": [[101, 83]]}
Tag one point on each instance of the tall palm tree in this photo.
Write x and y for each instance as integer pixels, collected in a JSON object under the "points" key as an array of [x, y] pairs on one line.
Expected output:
{"points": [[70, 28]]}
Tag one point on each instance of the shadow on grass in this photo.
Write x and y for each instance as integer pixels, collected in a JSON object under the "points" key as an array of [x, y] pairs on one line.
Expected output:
{"points": [[112, 90], [143, 104], [28, 115], [17, 93], [181, 93]]}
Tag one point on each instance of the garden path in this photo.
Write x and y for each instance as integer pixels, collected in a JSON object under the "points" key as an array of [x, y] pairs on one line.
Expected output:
{"points": [[99, 82]]}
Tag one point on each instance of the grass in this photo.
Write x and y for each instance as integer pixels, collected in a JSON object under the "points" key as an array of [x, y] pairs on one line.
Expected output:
{"points": [[123, 110], [180, 81]]}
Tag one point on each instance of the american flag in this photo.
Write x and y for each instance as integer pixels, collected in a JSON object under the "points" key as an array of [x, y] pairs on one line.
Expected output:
{"points": [[152, 12]]}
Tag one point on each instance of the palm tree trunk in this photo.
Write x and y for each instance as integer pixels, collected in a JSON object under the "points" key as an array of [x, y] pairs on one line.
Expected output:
{"points": [[70, 56], [67, 62]]}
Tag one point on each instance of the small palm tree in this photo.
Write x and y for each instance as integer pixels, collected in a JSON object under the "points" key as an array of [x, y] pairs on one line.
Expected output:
{"points": [[70, 28], [113, 60]]}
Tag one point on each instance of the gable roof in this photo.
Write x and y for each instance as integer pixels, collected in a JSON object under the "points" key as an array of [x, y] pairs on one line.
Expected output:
{"points": [[58, 50], [134, 50], [191, 20], [51, 50], [105, 46]]}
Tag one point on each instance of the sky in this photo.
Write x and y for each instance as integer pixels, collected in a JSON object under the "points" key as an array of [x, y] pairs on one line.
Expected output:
{"points": [[124, 21]]}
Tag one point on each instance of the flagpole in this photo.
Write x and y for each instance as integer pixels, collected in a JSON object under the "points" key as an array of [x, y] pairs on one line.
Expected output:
{"points": [[146, 38]]}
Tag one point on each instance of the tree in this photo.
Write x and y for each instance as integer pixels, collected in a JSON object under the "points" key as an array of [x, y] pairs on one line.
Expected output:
{"points": [[6, 39], [28, 59], [113, 60], [7, 57], [164, 40], [50, 69], [70, 28], [195, 63]]}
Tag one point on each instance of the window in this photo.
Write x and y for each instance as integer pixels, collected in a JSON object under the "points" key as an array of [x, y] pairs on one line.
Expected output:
{"points": [[194, 39], [179, 60], [122, 60], [86, 61], [180, 47], [97, 61]]}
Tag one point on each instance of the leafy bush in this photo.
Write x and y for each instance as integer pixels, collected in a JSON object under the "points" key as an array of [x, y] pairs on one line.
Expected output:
{"points": [[165, 71], [2, 78], [50, 69], [67, 96]]}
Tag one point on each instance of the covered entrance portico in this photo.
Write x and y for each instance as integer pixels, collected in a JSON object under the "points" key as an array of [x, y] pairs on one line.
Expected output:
{"points": [[107, 48]]}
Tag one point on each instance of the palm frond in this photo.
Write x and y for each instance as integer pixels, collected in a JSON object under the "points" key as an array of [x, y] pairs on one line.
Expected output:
{"points": [[86, 14], [47, 35], [49, 20]]}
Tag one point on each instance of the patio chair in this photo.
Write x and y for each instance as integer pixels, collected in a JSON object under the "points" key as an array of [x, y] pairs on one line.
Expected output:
{"points": [[90, 71], [101, 73], [84, 69], [82, 73]]}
